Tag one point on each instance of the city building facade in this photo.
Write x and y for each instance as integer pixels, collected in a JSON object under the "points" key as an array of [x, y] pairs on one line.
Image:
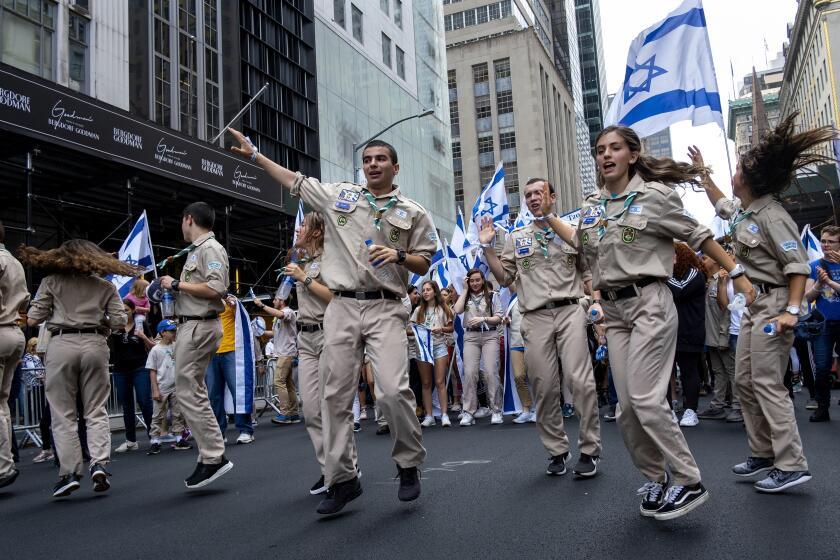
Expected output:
{"points": [[658, 145], [508, 102], [592, 66]]}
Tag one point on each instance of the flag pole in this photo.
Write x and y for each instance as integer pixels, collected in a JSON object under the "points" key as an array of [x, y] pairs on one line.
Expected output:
{"points": [[151, 247], [239, 114]]}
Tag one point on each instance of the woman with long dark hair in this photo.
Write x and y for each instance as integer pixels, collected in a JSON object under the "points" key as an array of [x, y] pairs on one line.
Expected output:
{"points": [[482, 314], [767, 244], [626, 233], [435, 316], [80, 308]]}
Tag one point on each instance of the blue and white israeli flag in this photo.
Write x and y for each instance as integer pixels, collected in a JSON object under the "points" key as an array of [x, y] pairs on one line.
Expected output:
{"points": [[242, 400], [136, 250], [491, 202], [812, 244], [459, 257], [670, 76], [511, 404], [425, 346], [298, 222]]}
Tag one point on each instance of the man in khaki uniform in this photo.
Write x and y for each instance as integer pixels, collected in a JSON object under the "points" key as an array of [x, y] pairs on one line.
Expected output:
{"points": [[13, 299], [199, 292], [374, 236], [550, 284]]}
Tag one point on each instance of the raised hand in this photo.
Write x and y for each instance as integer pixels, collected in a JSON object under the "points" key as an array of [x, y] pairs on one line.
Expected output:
{"points": [[246, 148], [487, 233], [696, 156]]}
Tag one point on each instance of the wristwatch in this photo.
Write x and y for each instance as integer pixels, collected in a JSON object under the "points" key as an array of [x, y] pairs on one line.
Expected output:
{"points": [[792, 309], [737, 272], [307, 281], [401, 256], [176, 285]]}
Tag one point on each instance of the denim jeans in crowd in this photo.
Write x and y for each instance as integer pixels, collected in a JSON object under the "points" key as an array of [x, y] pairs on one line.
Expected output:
{"points": [[221, 372], [129, 384], [823, 347]]}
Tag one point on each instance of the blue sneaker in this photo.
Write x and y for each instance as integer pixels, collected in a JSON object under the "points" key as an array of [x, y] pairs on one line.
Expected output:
{"points": [[568, 410], [282, 419], [778, 480]]}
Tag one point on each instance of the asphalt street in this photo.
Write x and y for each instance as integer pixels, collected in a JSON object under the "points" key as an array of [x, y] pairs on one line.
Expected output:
{"points": [[485, 495]]}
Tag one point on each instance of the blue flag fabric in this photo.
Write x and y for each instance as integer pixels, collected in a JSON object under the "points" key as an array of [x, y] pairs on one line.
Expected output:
{"points": [[242, 400], [136, 250]]}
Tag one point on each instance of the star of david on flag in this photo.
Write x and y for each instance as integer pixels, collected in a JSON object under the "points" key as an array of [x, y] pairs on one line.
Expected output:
{"points": [[670, 76], [491, 202], [136, 250]]}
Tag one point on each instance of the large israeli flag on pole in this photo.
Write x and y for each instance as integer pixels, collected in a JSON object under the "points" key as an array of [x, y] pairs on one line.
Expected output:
{"points": [[458, 255], [136, 250], [491, 202], [670, 76], [812, 244], [511, 404]]}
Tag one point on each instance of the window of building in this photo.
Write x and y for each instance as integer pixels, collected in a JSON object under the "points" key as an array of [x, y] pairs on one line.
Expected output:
{"points": [[458, 176], [480, 73], [339, 16], [386, 50], [495, 11], [26, 32], [454, 119], [398, 14], [456, 150], [400, 63], [485, 174], [485, 144], [357, 23], [385, 6], [77, 55], [212, 103], [507, 140], [502, 68], [482, 107], [504, 102], [451, 79]]}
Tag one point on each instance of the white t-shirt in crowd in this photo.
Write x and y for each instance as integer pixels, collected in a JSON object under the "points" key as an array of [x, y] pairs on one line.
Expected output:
{"points": [[162, 360], [735, 316]]}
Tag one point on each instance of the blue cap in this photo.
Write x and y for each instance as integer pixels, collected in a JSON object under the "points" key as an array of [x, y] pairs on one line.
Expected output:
{"points": [[167, 325]]}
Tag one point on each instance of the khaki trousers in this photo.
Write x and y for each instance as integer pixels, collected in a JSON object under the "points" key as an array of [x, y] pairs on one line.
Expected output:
{"points": [[478, 345], [379, 325], [78, 363], [723, 368], [284, 386], [555, 337], [642, 339], [765, 403], [196, 343], [160, 422], [520, 377], [12, 343]]}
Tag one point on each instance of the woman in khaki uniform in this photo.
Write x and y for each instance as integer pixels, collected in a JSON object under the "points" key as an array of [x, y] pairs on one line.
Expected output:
{"points": [[767, 244], [80, 308], [626, 233]]}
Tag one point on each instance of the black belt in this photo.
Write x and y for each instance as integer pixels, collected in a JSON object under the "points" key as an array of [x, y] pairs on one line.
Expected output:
{"points": [[185, 318], [310, 328], [632, 290], [558, 303], [477, 329], [59, 332], [764, 288], [376, 294]]}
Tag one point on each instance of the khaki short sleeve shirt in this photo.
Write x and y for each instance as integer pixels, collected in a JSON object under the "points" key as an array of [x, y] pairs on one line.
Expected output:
{"points": [[13, 293], [206, 263], [77, 302], [310, 308]]}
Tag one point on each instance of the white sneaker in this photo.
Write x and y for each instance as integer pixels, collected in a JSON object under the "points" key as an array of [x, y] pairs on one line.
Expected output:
{"points": [[428, 421], [245, 437], [461, 415], [689, 418], [522, 418], [533, 418], [497, 418], [127, 446], [363, 415], [467, 419], [444, 421], [482, 412]]}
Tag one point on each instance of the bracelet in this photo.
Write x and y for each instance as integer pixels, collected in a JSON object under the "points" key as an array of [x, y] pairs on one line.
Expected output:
{"points": [[255, 151], [486, 245]]}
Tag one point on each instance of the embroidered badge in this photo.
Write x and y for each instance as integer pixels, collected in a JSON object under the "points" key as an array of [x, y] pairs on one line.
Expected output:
{"points": [[348, 195], [744, 251], [342, 205], [752, 228], [215, 265], [628, 234], [432, 236], [590, 220], [402, 214], [342, 221], [194, 257], [789, 245], [570, 260], [526, 263], [395, 235], [585, 238], [524, 242], [593, 211], [635, 209]]}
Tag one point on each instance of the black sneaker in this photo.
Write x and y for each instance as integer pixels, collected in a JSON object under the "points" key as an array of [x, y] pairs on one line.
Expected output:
{"points": [[8, 478], [654, 497], [712, 413], [680, 500], [154, 449], [182, 445], [382, 430], [820, 415], [319, 487], [357, 427], [205, 473], [99, 477], [610, 415], [557, 466], [587, 465], [66, 485], [778, 480], [409, 484], [338, 495], [753, 466]]}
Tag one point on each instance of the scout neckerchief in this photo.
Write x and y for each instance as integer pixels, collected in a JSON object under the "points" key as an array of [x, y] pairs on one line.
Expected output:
{"points": [[602, 225], [543, 237], [180, 253], [377, 211], [740, 217]]}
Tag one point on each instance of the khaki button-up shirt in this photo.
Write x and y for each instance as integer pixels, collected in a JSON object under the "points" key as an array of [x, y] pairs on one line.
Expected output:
{"points": [[476, 306], [349, 221], [206, 263], [766, 240], [540, 279], [310, 308], [13, 293], [638, 233], [77, 302], [717, 319]]}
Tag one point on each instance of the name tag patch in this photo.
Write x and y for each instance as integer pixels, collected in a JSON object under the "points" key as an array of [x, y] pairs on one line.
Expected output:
{"points": [[348, 195], [752, 228], [590, 220], [789, 245], [401, 213], [635, 209], [342, 205]]}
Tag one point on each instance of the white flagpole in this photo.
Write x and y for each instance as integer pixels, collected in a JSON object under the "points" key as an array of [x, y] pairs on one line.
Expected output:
{"points": [[239, 114], [151, 247]]}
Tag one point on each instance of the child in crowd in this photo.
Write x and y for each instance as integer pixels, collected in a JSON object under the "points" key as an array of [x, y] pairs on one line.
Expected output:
{"points": [[161, 366]]}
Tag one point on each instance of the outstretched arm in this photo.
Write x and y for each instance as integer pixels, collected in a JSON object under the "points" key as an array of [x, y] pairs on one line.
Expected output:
{"points": [[247, 150]]}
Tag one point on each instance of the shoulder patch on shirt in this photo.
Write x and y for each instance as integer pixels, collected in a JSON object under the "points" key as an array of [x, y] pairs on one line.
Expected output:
{"points": [[635, 208], [402, 214], [214, 265], [789, 245], [431, 236], [342, 205], [348, 195], [752, 228], [194, 257]]}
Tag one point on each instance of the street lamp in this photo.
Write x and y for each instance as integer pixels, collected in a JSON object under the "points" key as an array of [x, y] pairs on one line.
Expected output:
{"points": [[360, 145]]}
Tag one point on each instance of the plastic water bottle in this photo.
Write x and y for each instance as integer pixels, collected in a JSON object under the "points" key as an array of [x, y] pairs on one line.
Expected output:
{"points": [[771, 328], [594, 316], [368, 243], [738, 303], [167, 304], [601, 353]]}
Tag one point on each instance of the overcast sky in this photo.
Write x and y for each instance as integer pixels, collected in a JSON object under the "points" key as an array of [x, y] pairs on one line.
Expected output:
{"points": [[738, 30]]}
